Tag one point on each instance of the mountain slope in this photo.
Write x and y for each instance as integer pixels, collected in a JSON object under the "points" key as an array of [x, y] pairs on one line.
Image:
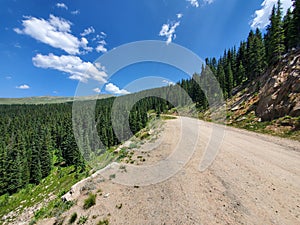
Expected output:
{"points": [[271, 103]]}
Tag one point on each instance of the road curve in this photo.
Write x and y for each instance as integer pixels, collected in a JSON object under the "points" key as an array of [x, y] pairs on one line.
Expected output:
{"points": [[254, 179]]}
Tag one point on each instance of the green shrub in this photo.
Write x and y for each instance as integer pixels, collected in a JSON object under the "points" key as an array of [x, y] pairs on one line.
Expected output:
{"points": [[82, 220], [32, 222], [112, 176], [73, 218], [103, 222], [90, 201]]}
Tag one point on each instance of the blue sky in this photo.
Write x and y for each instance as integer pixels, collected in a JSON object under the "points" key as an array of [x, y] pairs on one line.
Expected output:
{"points": [[46, 46]]}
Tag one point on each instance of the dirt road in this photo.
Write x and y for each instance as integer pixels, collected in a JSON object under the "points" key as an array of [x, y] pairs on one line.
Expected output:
{"points": [[254, 179]]}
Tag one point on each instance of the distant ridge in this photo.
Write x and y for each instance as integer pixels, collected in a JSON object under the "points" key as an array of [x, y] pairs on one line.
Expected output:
{"points": [[48, 99]]}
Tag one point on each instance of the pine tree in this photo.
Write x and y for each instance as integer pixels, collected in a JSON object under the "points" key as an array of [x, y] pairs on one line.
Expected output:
{"points": [[275, 35], [296, 24], [3, 172], [229, 79], [260, 60], [289, 31], [251, 55], [241, 73], [35, 168], [221, 78], [45, 156]]}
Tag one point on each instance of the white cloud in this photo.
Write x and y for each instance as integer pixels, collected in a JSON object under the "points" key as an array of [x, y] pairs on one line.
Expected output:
{"points": [[261, 16], [55, 32], [23, 86], [8, 77], [73, 65], [208, 1], [168, 82], [61, 5], [111, 88], [75, 12], [168, 30], [101, 48], [179, 15], [88, 31], [194, 3], [97, 90], [101, 43]]}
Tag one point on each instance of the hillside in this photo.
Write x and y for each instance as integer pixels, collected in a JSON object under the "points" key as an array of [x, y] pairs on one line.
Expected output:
{"points": [[271, 103]]}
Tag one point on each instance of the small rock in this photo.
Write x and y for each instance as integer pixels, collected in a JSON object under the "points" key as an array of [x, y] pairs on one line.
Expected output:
{"points": [[106, 195]]}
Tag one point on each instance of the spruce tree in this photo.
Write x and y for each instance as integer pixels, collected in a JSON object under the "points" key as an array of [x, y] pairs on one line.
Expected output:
{"points": [[241, 73], [35, 166], [275, 36], [221, 78], [296, 24], [229, 79], [251, 55], [259, 49], [289, 31]]}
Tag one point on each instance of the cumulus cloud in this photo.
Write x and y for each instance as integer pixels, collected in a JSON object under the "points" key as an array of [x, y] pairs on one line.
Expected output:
{"points": [[101, 48], [55, 32], [111, 88], [61, 5], [88, 31], [101, 43], [194, 3], [97, 90], [23, 86], [73, 65], [168, 30], [168, 82], [261, 16]]}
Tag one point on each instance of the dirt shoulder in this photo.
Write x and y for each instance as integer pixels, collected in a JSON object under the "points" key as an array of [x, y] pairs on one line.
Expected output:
{"points": [[254, 179]]}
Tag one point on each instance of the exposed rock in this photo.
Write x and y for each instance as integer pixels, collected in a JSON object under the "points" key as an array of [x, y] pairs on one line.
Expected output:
{"points": [[280, 94]]}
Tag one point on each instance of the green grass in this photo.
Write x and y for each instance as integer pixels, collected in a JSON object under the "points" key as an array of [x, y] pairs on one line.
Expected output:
{"points": [[90, 201], [82, 220], [59, 181], [103, 222], [167, 117], [282, 126]]}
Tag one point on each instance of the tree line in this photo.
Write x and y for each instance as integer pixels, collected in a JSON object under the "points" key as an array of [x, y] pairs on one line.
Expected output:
{"points": [[37, 138], [251, 59]]}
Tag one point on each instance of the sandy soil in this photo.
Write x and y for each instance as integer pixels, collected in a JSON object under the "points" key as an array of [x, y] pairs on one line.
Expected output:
{"points": [[254, 179]]}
